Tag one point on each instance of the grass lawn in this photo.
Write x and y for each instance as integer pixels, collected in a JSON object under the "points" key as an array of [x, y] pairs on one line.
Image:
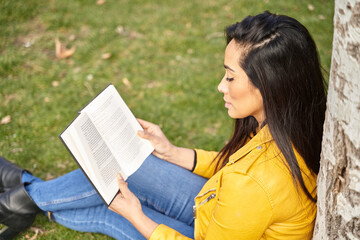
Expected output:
{"points": [[164, 57]]}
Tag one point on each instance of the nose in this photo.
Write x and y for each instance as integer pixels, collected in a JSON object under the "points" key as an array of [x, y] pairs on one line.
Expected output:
{"points": [[222, 87]]}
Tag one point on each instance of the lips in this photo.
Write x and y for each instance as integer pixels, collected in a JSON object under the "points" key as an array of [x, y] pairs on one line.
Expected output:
{"points": [[227, 104]]}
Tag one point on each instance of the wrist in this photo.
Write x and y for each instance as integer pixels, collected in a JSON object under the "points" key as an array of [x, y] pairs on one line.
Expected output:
{"points": [[173, 152], [183, 157], [144, 224], [137, 219]]}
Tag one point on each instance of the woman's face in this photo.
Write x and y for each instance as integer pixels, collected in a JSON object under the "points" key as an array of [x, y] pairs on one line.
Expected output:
{"points": [[242, 98]]}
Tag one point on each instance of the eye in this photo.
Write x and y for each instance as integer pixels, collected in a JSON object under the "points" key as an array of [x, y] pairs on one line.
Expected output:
{"points": [[229, 79]]}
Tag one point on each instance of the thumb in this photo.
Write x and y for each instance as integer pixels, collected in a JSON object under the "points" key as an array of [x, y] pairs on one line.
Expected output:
{"points": [[144, 134], [122, 185]]}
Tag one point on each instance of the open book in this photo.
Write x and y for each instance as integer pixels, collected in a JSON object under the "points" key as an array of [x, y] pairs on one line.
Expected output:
{"points": [[103, 141]]}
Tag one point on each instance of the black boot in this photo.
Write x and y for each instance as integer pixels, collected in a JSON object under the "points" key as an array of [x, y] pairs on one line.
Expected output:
{"points": [[17, 211], [10, 175]]}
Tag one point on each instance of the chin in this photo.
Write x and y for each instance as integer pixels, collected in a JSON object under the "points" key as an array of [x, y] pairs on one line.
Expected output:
{"points": [[232, 115], [235, 115]]}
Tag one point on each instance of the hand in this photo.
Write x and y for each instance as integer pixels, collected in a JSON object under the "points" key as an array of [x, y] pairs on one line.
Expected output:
{"points": [[126, 203], [163, 148]]}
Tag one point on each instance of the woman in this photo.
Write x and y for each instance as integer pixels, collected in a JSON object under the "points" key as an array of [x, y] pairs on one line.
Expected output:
{"points": [[261, 185]]}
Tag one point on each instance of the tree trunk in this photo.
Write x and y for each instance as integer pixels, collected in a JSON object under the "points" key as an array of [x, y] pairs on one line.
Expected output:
{"points": [[338, 213]]}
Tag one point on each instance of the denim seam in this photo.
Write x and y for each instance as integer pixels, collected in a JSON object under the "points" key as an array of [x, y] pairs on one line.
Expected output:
{"points": [[152, 203], [65, 200], [99, 222]]}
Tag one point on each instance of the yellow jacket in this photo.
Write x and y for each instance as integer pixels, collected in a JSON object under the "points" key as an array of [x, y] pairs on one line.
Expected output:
{"points": [[252, 197]]}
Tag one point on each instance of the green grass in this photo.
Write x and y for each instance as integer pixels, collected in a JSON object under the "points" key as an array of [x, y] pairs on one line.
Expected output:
{"points": [[170, 51]]}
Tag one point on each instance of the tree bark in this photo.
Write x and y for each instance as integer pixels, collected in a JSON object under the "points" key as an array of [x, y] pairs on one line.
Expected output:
{"points": [[338, 207]]}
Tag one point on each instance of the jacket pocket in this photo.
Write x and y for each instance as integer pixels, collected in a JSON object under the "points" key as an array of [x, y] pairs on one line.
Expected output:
{"points": [[203, 198], [213, 195]]}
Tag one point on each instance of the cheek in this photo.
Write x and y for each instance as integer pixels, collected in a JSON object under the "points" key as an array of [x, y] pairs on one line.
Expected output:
{"points": [[245, 101], [237, 92]]}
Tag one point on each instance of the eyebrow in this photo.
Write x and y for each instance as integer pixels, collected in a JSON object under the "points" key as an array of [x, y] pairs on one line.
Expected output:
{"points": [[227, 67]]}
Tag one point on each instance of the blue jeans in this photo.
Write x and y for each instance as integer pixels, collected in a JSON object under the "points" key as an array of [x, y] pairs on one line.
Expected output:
{"points": [[166, 193]]}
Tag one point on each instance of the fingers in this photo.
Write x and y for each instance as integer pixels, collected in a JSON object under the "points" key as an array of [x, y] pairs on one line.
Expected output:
{"points": [[144, 124], [144, 134], [151, 132], [124, 190]]}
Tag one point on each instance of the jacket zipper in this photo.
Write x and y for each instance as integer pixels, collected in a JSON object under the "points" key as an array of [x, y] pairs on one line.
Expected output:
{"points": [[210, 190], [213, 195], [207, 199]]}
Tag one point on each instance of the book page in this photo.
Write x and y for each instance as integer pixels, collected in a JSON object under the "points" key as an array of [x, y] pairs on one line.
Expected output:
{"points": [[103, 140], [119, 127], [93, 155]]}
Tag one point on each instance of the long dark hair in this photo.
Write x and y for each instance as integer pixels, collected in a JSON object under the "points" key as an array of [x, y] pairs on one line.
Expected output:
{"points": [[281, 60]]}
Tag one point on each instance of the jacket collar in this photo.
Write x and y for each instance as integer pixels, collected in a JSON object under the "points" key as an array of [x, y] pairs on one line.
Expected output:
{"points": [[257, 142]]}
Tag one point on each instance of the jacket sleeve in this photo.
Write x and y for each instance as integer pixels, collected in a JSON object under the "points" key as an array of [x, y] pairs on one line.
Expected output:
{"points": [[242, 214], [163, 232], [205, 166], [243, 209]]}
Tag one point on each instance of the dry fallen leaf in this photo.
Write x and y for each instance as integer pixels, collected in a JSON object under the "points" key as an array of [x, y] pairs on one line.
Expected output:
{"points": [[72, 37], [14, 150], [8, 98], [61, 51], [126, 82], [214, 35], [134, 34], [47, 99], [210, 130], [227, 8], [311, 7], [88, 86], [28, 44], [89, 77], [128, 33], [55, 83], [230, 15], [61, 165], [153, 84], [168, 32], [70, 62], [77, 69], [100, 2], [106, 55], [5, 120], [120, 30], [37, 231], [49, 176]]}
